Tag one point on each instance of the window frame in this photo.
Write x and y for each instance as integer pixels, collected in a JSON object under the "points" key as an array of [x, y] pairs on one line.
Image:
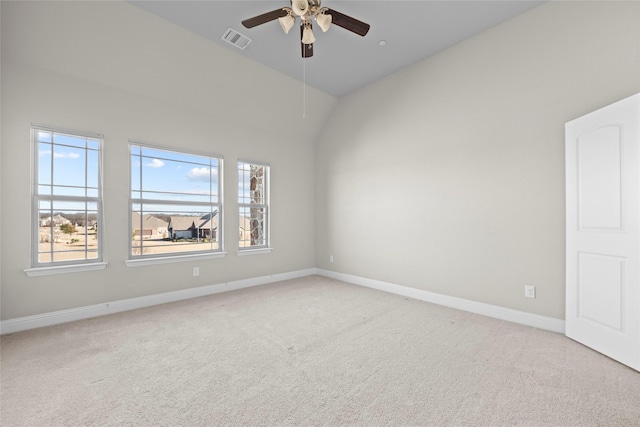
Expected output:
{"points": [[39, 268], [266, 206], [175, 256]]}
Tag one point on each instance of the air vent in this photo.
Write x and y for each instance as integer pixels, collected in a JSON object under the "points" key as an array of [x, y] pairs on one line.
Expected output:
{"points": [[235, 38]]}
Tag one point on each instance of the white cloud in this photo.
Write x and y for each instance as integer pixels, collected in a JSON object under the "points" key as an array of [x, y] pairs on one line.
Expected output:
{"points": [[198, 192], [155, 163], [200, 174], [59, 155]]}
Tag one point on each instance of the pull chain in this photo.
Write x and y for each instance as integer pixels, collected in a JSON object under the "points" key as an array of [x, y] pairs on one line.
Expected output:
{"points": [[304, 88]]}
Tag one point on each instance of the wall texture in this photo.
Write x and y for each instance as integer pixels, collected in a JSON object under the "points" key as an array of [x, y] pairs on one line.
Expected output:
{"points": [[449, 175], [110, 68]]}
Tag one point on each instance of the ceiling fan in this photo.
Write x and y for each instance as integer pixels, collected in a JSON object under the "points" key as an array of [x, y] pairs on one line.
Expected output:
{"points": [[306, 10]]}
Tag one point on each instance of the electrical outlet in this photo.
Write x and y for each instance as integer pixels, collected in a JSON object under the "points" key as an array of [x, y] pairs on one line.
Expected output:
{"points": [[330, 258], [529, 291], [196, 271]]}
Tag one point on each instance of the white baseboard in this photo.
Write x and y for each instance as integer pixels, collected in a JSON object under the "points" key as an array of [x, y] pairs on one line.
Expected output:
{"points": [[86, 312], [497, 312]]}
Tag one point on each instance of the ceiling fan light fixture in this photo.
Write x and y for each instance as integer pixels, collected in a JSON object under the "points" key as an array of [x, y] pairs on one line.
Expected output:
{"points": [[324, 21], [307, 34], [286, 22], [300, 7]]}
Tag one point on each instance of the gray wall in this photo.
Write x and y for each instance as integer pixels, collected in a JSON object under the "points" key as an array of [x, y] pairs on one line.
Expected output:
{"points": [[110, 68], [449, 175]]}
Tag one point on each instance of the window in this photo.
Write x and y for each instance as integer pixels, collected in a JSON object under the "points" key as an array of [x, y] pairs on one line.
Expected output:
{"points": [[67, 197], [176, 202], [253, 204]]}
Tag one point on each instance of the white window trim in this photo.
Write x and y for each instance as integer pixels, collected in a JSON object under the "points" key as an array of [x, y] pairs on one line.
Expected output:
{"points": [[43, 269], [64, 269], [172, 259]]}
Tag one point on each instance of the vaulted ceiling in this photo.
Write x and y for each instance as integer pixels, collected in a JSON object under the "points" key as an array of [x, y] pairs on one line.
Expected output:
{"points": [[402, 33]]}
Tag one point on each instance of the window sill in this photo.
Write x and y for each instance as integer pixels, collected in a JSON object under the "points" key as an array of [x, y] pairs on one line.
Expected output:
{"points": [[170, 259], [244, 252], [64, 269]]}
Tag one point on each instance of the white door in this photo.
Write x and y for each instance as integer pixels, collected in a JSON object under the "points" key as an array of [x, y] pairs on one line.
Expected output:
{"points": [[603, 230]]}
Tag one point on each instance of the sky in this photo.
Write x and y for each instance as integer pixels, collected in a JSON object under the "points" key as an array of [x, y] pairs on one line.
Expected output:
{"points": [[73, 162], [173, 176]]}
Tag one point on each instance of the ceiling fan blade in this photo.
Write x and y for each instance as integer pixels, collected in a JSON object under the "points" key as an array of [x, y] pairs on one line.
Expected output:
{"points": [[348, 23], [264, 18]]}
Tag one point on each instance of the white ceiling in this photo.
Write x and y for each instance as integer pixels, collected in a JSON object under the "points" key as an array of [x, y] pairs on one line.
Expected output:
{"points": [[344, 61]]}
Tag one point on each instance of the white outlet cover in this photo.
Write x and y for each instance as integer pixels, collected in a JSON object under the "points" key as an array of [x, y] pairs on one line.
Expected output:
{"points": [[530, 291]]}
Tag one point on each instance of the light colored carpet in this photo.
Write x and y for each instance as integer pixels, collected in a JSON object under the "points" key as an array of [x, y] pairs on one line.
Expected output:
{"points": [[311, 351]]}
